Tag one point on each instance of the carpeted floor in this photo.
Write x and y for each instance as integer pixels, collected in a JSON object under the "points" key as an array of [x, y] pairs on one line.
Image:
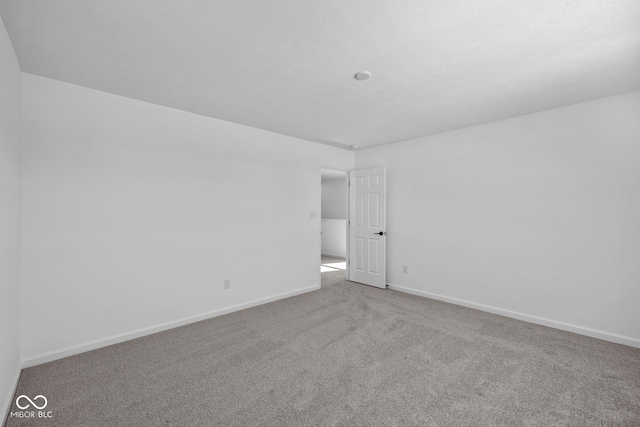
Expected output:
{"points": [[347, 355], [333, 263]]}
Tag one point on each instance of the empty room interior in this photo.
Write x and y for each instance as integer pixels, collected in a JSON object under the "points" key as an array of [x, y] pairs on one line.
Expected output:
{"points": [[319, 213]]}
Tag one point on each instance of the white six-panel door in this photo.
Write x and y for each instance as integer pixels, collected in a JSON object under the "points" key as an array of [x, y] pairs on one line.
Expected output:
{"points": [[367, 226]]}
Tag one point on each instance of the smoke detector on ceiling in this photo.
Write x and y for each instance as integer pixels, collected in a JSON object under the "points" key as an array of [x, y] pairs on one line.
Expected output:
{"points": [[362, 75]]}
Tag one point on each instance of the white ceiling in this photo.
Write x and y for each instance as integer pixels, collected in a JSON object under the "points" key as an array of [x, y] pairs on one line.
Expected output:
{"points": [[288, 66]]}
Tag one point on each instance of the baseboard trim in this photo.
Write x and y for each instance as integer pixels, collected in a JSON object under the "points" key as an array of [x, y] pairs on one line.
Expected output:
{"points": [[115, 339], [333, 255], [594, 333], [6, 408]]}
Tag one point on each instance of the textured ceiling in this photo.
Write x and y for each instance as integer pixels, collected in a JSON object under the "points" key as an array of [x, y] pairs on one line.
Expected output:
{"points": [[288, 66]]}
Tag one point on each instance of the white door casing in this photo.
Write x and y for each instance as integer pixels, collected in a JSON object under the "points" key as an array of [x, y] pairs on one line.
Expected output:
{"points": [[367, 226]]}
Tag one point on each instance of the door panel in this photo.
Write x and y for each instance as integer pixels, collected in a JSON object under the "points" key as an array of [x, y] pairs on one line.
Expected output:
{"points": [[367, 218]]}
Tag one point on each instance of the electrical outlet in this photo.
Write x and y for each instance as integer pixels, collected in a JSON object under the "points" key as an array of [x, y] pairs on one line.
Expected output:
{"points": [[405, 269], [227, 283]]}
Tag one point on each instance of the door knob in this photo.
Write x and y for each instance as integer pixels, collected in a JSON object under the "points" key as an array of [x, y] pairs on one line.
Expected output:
{"points": [[381, 233]]}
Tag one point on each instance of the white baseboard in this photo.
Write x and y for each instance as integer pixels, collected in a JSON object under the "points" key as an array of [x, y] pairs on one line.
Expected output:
{"points": [[4, 411], [334, 255], [115, 339], [594, 333]]}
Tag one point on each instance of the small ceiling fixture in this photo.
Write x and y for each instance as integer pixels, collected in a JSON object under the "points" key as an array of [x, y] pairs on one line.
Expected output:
{"points": [[354, 146], [362, 75]]}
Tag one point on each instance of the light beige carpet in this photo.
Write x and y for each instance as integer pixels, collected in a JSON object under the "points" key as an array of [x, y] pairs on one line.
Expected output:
{"points": [[346, 355]]}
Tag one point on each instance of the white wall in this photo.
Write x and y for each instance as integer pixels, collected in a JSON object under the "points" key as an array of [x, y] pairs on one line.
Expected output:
{"points": [[133, 215], [538, 215], [9, 220], [334, 237], [334, 214], [334, 198]]}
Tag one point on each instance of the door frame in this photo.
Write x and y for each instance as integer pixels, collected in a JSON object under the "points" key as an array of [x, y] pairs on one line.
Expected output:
{"points": [[346, 170]]}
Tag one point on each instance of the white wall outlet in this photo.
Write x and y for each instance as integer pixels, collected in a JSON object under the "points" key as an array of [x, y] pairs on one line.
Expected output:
{"points": [[227, 283], [313, 214], [405, 269]]}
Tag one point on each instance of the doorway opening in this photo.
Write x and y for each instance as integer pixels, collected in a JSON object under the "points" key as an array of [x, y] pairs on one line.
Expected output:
{"points": [[334, 202]]}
